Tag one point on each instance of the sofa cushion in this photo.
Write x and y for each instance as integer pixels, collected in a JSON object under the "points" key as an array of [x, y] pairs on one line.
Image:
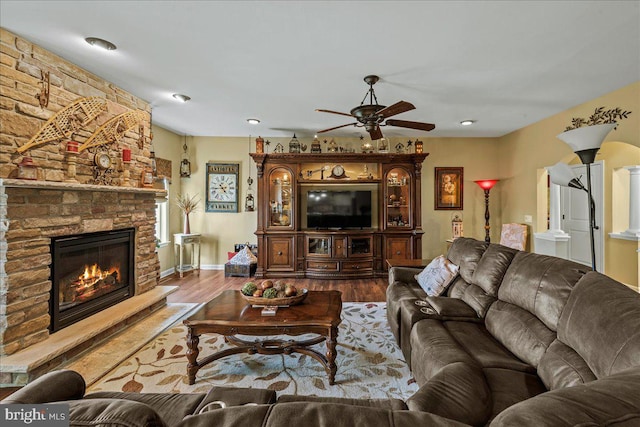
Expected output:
{"points": [[601, 322], [562, 367], [459, 392], [432, 349], [509, 387], [519, 331], [466, 253], [483, 348], [611, 401], [112, 412], [492, 267], [172, 408], [540, 284], [436, 276]]}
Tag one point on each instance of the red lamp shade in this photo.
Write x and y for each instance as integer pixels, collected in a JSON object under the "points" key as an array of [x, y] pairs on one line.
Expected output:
{"points": [[487, 184]]}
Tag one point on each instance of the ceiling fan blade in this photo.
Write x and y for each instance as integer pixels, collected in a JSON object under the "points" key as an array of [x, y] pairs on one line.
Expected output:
{"points": [[334, 112], [397, 108], [376, 133], [338, 127], [411, 125]]}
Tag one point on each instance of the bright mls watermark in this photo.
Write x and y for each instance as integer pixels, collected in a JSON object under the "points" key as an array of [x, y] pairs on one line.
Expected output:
{"points": [[49, 415]]}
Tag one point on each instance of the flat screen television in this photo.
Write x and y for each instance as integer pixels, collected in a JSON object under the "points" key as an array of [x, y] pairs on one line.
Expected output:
{"points": [[339, 209]]}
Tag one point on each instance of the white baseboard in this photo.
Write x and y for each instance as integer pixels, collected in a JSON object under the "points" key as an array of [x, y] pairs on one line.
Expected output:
{"points": [[168, 272], [212, 267]]}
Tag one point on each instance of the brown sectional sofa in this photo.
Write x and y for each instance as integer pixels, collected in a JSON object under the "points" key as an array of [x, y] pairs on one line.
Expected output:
{"points": [[514, 325], [518, 339]]}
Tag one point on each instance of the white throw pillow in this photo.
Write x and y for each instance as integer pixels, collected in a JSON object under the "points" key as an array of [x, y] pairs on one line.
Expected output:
{"points": [[436, 276], [244, 257]]}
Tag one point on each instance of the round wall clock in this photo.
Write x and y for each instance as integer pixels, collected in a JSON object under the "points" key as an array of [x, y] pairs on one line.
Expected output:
{"points": [[102, 160], [223, 187]]}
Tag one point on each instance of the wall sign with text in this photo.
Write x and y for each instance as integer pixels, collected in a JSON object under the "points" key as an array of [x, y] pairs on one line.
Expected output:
{"points": [[222, 187]]}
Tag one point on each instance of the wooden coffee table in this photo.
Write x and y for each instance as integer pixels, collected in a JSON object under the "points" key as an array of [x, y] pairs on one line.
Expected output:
{"points": [[229, 314]]}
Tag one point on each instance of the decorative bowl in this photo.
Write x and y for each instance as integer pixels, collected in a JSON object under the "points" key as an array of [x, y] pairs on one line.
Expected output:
{"points": [[295, 300]]}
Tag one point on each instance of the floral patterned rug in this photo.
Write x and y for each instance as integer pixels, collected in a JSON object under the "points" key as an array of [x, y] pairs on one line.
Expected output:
{"points": [[370, 364]]}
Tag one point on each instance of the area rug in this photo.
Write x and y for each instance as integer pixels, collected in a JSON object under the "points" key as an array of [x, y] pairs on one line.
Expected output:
{"points": [[370, 364]]}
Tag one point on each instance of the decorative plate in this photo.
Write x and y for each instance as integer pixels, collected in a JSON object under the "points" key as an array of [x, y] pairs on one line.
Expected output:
{"points": [[295, 300]]}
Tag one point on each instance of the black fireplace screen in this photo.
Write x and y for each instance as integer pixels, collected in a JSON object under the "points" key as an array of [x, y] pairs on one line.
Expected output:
{"points": [[90, 272]]}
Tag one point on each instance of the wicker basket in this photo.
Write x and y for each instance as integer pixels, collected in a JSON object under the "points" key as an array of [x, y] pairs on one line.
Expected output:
{"points": [[302, 294]]}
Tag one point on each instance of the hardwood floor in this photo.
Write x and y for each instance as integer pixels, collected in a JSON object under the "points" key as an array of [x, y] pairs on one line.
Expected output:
{"points": [[202, 288]]}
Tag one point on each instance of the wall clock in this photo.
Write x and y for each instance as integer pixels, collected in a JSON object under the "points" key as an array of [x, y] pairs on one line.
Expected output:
{"points": [[222, 187]]}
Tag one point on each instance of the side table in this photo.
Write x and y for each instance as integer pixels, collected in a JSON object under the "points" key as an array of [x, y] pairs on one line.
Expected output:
{"points": [[180, 240]]}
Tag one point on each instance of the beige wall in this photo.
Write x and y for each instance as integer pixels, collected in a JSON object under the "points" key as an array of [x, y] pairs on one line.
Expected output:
{"points": [[524, 152], [516, 159]]}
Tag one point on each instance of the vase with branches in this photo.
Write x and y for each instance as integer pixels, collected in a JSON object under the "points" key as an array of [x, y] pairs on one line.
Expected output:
{"points": [[187, 204]]}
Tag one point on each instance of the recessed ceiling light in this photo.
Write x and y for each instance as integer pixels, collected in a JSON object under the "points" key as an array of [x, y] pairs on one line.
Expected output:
{"points": [[253, 121], [101, 43], [467, 122], [180, 97]]}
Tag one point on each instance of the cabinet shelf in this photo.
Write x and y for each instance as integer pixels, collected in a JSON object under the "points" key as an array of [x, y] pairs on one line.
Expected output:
{"points": [[333, 181], [399, 206]]}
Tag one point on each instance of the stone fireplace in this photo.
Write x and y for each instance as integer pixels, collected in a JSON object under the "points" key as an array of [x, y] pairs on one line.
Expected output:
{"points": [[36, 215], [64, 201], [89, 272]]}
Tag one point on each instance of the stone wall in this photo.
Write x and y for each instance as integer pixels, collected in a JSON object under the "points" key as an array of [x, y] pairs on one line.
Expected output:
{"points": [[31, 212]]}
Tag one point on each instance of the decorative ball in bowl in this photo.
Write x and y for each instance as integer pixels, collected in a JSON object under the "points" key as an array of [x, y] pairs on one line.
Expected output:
{"points": [[271, 292]]}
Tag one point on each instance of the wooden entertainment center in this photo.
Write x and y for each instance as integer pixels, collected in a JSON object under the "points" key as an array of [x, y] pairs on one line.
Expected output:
{"points": [[375, 213]]}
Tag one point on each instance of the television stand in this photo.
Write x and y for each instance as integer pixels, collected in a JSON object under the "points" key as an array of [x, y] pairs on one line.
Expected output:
{"points": [[289, 248]]}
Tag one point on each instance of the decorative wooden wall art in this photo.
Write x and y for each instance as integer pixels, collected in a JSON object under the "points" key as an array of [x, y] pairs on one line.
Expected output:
{"points": [[65, 122], [114, 129]]}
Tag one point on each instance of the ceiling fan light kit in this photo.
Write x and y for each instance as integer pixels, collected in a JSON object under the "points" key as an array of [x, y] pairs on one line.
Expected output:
{"points": [[372, 116]]}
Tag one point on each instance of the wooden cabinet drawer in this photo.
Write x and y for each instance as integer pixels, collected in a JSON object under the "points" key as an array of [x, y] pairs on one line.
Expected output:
{"points": [[357, 265], [323, 265]]}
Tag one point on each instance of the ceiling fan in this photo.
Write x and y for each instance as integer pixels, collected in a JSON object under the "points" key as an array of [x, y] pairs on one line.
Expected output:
{"points": [[374, 115]]}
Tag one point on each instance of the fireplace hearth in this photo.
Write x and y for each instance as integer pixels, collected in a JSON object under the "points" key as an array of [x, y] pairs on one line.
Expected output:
{"points": [[90, 272]]}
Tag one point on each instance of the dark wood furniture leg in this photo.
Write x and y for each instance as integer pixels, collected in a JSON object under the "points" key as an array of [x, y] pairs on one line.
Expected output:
{"points": [[192, 355]]}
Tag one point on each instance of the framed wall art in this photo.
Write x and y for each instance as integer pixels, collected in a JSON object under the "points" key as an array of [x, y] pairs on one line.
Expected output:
{"points": [[448, 188], [222, 187]]}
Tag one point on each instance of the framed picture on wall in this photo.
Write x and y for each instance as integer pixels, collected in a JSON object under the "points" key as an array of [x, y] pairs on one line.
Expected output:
{"points": [[222, 187], [448, 188]]}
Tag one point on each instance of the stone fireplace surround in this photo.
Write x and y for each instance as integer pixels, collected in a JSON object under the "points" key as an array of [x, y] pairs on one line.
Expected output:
{"points": [[31, 212]]}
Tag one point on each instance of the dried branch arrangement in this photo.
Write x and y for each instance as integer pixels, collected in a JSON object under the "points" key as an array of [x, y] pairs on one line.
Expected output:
{"points": [[186, 203], [600, 116]]}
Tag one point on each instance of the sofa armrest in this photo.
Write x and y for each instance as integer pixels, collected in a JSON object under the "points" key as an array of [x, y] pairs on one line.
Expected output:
{"points": [[51, 387], [608, 401], [448, 308], [393, 404], [403, 274]]}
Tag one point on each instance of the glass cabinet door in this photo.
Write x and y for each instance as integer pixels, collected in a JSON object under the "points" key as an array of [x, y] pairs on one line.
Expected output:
{"points": [[280, 198], [397, 203], [319, 246]]}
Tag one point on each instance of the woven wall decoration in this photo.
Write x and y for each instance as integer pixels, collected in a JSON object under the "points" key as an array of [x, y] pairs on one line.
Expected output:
{"points": [[65, 122], [114, 129]]}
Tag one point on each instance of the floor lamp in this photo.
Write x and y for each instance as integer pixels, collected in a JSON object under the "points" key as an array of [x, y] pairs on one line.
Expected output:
{"points": [[585, 142], [486, 185]]}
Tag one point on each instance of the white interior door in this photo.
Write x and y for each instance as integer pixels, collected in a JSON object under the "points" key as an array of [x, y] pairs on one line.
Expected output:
{"points": [[575, 216]]}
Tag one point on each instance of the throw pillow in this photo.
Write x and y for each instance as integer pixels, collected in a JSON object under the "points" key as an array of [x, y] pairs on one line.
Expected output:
{"points": [[244, 257], [436, 276]]}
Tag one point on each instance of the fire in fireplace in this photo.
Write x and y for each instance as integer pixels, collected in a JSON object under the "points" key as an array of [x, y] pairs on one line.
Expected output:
{"points": [[90, 272]]}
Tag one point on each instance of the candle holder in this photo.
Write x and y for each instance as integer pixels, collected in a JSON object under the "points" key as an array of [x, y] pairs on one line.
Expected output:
{"points": [[126, 173], [72, 160]]}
